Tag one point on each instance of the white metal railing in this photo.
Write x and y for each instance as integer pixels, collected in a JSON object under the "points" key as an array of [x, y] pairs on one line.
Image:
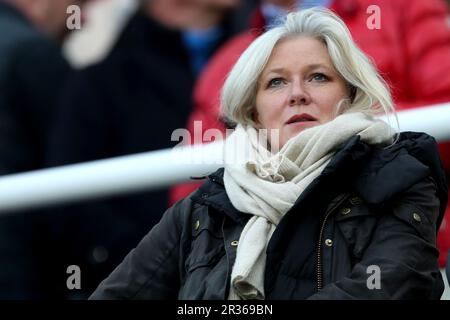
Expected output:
{"points": [[157, 169]]}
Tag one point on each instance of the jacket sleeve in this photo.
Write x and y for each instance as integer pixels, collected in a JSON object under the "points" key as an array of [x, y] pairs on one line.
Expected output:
{"points": [[402, 249], [152, 269]]}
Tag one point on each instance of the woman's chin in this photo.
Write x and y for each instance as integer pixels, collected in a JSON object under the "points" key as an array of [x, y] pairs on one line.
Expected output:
{"points": [[297, 127]]}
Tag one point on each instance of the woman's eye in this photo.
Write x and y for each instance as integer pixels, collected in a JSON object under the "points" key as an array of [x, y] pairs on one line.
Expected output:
{"points": [[276, 82], [320, 77]]}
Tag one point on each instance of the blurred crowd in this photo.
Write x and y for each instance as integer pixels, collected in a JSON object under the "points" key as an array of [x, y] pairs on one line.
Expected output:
{"points": [[148, 68]]}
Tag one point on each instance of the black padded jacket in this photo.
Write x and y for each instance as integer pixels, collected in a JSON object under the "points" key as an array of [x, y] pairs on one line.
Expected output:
{"points": [[364, 229]]}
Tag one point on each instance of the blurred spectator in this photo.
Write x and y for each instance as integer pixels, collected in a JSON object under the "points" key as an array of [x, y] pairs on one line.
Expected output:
{"points": [[129, 103], [105, 21], [29, 54], [32, 71], [411, 49]]}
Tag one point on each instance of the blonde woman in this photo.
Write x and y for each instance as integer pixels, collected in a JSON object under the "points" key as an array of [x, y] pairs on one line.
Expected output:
{"points": [[317, 199]]}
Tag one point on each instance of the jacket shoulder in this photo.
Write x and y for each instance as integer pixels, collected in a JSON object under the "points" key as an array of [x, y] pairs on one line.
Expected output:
{"points": [[394, 169]]}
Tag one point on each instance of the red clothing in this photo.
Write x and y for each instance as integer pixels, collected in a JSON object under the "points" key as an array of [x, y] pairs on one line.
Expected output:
{"points": [[411, 50]]}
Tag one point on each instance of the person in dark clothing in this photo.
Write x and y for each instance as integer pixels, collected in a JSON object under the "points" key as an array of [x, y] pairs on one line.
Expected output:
{"points": [[32, 73], [318, 199], [129, 103]]}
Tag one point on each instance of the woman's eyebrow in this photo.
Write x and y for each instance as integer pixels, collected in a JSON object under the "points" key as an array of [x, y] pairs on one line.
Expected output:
{"points": [[317, 66], [306, 68], [274, 70]]}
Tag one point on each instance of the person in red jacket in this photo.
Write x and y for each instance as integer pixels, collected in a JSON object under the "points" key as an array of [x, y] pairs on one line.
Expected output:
{"points": [[409, 41]]}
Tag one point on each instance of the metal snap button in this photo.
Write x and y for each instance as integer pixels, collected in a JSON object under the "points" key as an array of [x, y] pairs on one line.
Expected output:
{"points": [[197, 225], [345, 211], [417, 217], [328, 242], [234, 243]]}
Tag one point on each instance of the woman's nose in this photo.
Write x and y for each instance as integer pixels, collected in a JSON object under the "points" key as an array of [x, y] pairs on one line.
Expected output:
{"points": [[298, 95]]}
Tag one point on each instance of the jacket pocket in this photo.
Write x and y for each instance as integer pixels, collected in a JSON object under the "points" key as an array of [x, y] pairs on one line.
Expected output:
{"points": [[417, 219], [356, 222], [207, 244]]}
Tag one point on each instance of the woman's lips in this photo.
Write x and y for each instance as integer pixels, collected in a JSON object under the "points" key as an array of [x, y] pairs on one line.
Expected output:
{"points": [[301, 118]]}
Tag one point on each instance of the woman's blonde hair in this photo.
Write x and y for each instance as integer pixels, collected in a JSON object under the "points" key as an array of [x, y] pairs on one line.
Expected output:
{"points": [[369, 92]]}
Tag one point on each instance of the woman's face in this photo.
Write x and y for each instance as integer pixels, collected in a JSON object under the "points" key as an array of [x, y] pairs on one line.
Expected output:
{"points": [[298, 89]]}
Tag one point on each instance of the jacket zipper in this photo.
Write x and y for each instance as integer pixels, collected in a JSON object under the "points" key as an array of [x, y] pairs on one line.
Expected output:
{"points": [[227, 283], [319, 246]]}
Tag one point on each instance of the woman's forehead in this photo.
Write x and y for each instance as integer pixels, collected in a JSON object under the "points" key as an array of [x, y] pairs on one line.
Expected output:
{"points": [[304, 53]]}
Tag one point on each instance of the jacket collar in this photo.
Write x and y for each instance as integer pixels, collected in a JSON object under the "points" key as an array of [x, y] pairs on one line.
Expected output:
{"points": [[359, 167], [212, 193]]}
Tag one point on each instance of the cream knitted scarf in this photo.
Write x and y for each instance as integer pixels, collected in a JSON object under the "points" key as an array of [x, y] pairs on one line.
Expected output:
{"points": [[267, 185]]}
